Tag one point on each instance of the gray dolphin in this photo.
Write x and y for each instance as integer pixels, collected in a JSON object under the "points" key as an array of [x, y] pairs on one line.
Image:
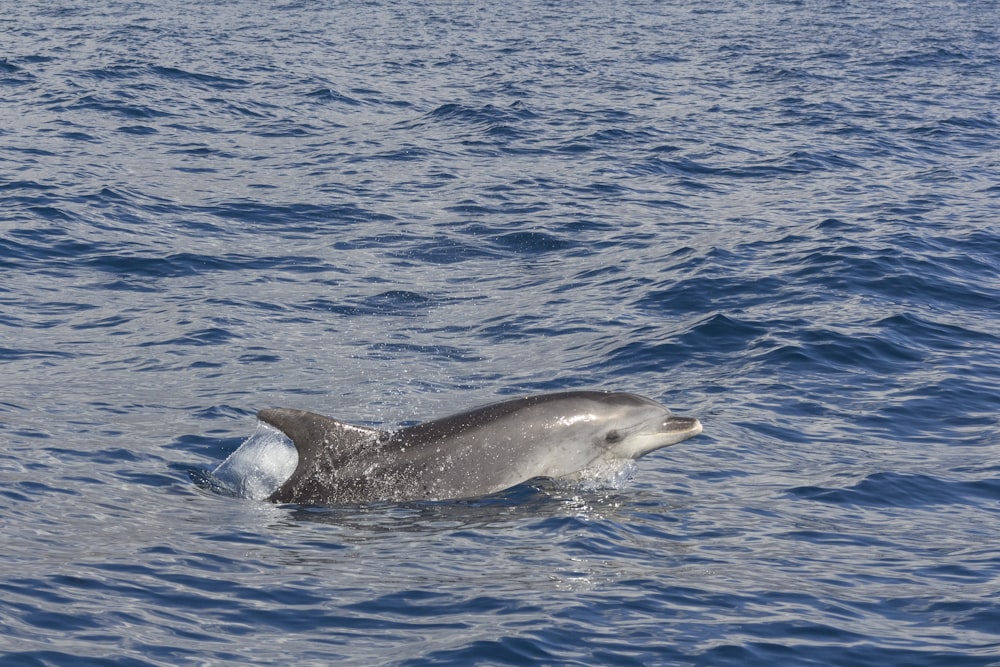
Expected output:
{"points": [[474, 453]]}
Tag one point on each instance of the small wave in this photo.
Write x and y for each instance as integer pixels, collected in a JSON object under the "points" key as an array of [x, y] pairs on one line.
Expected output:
{"points": [[904, 490], [210, 81], [531, 242], [331, 95]]}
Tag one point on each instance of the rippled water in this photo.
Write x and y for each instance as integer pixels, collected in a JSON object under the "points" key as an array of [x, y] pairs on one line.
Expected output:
{"points": [[780, 217]]}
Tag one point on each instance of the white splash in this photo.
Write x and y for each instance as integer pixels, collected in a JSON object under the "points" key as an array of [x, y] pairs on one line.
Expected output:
{"points": [[602, 476], [260, 465]]}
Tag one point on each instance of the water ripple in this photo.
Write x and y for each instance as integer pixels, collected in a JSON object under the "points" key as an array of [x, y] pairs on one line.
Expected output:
{"points": [[781, 219]]}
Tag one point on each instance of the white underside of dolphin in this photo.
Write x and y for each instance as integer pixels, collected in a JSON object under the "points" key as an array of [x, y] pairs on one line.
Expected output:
{"points": [[302, 457]]}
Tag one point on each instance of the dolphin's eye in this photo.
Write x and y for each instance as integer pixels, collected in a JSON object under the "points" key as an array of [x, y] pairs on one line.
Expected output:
{"points": [[612, 436]]}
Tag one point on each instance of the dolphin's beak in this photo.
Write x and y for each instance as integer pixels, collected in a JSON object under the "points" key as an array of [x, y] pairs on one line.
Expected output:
{"points": [[681, 428]]}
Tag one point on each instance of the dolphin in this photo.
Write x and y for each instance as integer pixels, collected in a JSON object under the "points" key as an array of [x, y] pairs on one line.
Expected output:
{"points": [[473, 453]]}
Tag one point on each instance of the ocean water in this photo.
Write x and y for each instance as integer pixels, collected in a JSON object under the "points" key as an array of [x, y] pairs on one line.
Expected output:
{"points": [[779, 217]]}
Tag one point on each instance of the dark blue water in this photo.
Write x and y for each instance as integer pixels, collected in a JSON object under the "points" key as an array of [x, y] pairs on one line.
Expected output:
{"points": [[780, 217]]}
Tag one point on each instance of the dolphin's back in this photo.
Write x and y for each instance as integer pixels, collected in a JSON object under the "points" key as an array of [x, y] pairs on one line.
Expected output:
{"points": [[344, 463], [494, 447]]}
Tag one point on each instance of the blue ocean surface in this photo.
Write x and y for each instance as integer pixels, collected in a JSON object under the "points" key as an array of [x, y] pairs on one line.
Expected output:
{"points": [[782, 217]]}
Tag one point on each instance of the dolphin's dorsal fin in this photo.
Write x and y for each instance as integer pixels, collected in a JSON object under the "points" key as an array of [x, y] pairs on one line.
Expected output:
{"points": [[320, 441]]}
